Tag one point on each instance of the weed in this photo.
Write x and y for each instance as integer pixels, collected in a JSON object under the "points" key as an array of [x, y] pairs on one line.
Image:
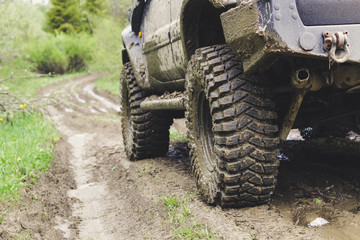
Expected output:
{"points": [[194, 230], [31, 151], [152, 214], [184, 225], [175, 136], [2, 218], [171, 202]]}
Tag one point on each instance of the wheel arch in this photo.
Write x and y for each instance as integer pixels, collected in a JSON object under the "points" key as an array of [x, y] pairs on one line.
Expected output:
{"points": [[124, 56], [200, 29], [132, 53]]}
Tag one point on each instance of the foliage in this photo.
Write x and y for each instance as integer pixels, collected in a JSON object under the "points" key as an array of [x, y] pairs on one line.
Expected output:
{"points": [[61, 53], [47, 57], [64, 16], [107, 54], [119, 10], [96, 7], [184, 224], [176, 136], [25, 148], [20, 22]]}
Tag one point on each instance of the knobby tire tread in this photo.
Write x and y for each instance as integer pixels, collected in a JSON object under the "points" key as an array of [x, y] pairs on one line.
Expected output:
{"points": [[245, 129]]}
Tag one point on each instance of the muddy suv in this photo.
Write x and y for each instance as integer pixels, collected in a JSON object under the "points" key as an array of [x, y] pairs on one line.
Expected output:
{"points": [[238, 70]]}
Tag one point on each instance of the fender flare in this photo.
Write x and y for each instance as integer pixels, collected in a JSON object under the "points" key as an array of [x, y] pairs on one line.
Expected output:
{"points": [[135, 55]]}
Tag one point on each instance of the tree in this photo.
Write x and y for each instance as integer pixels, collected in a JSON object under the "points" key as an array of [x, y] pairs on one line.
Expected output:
{"points": [[96, 7], [64, 16]]}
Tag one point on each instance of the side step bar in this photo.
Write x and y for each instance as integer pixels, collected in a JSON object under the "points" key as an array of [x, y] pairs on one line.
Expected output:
{"points": [[164, 102]]}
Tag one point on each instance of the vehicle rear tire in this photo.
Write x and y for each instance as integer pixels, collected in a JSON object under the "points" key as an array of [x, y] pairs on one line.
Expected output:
{"points": [[232, 130], [145, 133]]}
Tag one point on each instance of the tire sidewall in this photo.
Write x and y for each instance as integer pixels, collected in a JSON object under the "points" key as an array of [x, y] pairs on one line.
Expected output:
{"points": [[207, 176], [126, 122]]}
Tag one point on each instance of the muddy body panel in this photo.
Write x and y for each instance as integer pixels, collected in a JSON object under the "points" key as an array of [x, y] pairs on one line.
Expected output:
{"points": [[261, 31], [161, 42]]}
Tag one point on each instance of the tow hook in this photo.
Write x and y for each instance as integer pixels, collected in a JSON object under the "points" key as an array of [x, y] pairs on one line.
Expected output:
{"points": [[337, 45]]}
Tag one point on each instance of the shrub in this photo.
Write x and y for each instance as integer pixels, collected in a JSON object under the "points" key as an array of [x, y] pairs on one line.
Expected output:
{"points": [[61, 53], [48, 57], [78, 51]]}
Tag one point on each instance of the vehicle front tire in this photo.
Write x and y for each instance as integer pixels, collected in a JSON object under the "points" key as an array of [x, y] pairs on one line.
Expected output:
{"points": [[232, 130], [145, 133]]}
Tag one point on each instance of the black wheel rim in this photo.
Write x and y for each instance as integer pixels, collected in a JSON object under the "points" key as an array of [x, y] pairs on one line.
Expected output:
{"points": [[205, 132]]}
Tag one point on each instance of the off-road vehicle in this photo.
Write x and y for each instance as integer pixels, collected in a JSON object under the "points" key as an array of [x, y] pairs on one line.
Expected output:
{"points": [[238, 70]]}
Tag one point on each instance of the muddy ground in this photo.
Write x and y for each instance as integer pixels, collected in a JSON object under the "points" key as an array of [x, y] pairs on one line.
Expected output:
{"points": [[93, 192]]}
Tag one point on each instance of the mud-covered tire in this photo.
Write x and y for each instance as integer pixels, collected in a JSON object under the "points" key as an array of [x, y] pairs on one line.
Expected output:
{"points": [[145, 133], [232, 130]]}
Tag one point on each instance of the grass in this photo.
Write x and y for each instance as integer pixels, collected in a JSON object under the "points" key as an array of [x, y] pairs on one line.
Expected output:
{"points": [[26, 147], [2, 218], [183, 223], [176, 136], [30, 86], [109, 84]]}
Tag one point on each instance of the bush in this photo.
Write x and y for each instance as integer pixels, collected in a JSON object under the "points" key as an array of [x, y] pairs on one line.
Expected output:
{"points": [[48, 57], [78, 51], [62, 53]]}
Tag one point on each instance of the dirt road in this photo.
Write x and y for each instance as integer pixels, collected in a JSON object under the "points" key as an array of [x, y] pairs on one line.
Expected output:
{"points": [[93, 192]]}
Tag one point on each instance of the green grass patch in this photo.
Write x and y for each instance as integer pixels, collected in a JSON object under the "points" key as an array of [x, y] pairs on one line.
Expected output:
{"points": [[26, 147], [30, 86], [110, 84], [183, 223], [176, 136]]}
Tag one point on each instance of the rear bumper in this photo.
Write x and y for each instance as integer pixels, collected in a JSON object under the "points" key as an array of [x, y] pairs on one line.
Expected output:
{"points": [[262, 30]]}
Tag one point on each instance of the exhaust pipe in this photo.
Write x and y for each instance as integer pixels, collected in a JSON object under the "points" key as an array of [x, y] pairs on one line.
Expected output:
{"points": [[301, 78], [302, 81]]}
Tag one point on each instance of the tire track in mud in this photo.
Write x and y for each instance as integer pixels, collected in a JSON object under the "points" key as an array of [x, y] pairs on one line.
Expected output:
{"points": [[92, 194], [118, 199]]}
